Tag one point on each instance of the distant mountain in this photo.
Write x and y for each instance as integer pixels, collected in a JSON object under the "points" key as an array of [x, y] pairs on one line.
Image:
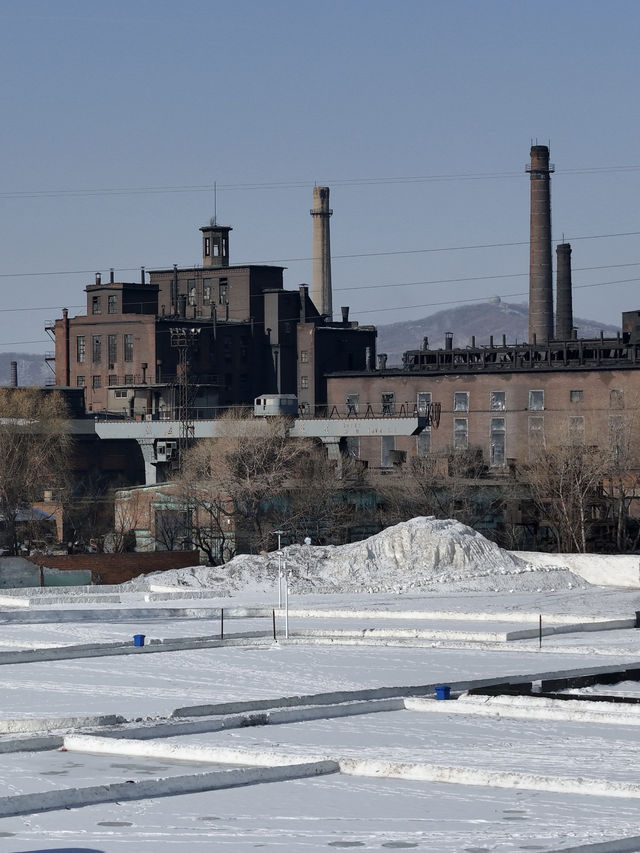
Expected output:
{"points": [[32, 369], [481, 319]]}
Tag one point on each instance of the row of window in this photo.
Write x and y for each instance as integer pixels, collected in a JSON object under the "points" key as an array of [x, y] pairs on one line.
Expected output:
{"points": [[112, 348], [96, 381], [112, 304], [207, 291], [497, 401]]}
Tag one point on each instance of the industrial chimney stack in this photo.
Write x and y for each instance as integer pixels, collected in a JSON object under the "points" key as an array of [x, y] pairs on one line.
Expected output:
{"points": [[540, 269], [321, 281], [564, 300]]}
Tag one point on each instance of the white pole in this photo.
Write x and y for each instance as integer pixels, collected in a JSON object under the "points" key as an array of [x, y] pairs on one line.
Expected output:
{"points": [[279, 533], [286, 603]]}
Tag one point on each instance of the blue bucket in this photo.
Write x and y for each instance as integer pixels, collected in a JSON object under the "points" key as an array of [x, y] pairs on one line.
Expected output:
{"points": [[443, 691], [138, 639]]}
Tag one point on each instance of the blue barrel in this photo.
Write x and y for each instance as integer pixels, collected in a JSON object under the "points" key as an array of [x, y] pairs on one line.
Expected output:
{"points": [[138, 639], [443, 691]]}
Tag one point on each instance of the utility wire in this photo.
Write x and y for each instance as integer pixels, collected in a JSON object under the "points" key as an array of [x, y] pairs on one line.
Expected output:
{"points": [[294, 184], [334, 257]]}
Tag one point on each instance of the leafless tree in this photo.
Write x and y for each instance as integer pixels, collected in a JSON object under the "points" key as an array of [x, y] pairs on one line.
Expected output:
{"points": [[34, 445]]}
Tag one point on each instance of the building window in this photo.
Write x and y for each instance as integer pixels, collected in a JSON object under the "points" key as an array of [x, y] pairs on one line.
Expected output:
{"points": [[206, 291], [304, 382], [460, 433], [497, 401], [388, 402], [112, 347], [80, 349], [616, 399], [423, 442], [112, 305], [128, 347], [128, 379], [97, 349], [192, 295], [96, 305], [576, 431], [81, 381], [352, 446], [423, 402], [497, 442], [616, 437], [223, 292], [536, 401], [576, 396], [353, 402], [120, 395], [96, 382], [207, 247], [304, 356], [536, 436], [461, 401], [387, 446]]}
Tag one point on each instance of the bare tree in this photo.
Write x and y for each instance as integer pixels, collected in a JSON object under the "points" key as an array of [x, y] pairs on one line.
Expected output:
{"points": [[566, 487], [34, 442]]}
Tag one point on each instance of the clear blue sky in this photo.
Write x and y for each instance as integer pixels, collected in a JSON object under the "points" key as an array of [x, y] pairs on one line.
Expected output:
{"points": [[418, 114]]}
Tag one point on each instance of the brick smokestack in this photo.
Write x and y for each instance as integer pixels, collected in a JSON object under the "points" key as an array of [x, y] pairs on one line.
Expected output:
{"points": [[321, 281], [540, 269], [564, 299]]}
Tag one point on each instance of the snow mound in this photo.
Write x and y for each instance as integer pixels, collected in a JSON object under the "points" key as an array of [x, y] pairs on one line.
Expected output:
{"points": [[424, 552]]}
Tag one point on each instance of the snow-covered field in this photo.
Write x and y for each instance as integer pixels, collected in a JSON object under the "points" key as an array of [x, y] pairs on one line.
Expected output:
{"points": [[312, 742]]}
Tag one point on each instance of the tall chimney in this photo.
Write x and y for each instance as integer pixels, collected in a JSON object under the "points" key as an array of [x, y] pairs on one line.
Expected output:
{"points": [[14, 374], [564, 299], [540, 269], [321, 281]]}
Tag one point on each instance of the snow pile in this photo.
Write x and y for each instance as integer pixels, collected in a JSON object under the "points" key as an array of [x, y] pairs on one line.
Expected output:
{"points": [[424, 552]]}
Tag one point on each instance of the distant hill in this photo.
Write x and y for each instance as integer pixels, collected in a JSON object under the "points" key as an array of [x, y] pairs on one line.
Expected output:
{"points": [[32, 369], [481, 319]]}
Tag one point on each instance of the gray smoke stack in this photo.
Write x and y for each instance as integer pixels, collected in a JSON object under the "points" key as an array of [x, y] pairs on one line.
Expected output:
{"points": [[321, 282], [564, 298], [540, 269], [14, 374]]}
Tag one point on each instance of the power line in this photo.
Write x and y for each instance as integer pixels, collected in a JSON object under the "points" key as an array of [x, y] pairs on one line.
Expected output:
{"points": [[296, 184], [334, 257]]}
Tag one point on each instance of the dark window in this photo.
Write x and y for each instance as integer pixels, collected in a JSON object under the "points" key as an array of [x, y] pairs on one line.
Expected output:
{"points": [[353, 402], [128, 379], [388, 402], [80, 381], [223, 292], [96, 382], [207, 247], [576, 396], [206, 291], [128, 347], [97, 349], [423, 442], [112, 347], [112, 380], [96, 305], [80, 348], [112, 305]]}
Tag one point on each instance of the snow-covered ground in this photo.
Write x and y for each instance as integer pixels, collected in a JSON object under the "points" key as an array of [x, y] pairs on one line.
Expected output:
{"points": [[322, 702]]}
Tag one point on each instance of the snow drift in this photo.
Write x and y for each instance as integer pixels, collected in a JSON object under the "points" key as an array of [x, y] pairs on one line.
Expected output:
{"points": [[424, 552]]}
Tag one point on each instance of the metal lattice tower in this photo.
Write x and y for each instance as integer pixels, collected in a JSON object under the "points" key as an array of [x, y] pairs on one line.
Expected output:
{"points": [[183, 339]]}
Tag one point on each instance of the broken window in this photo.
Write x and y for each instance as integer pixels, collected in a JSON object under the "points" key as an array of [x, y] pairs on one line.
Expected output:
{"points": [[423, 402], [536, 401], [461, 401], [497, 401], [388, 444], [388, 401]]}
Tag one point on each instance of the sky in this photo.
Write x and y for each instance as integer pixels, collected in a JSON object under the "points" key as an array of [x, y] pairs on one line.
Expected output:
{"points": [[119, 119]]}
